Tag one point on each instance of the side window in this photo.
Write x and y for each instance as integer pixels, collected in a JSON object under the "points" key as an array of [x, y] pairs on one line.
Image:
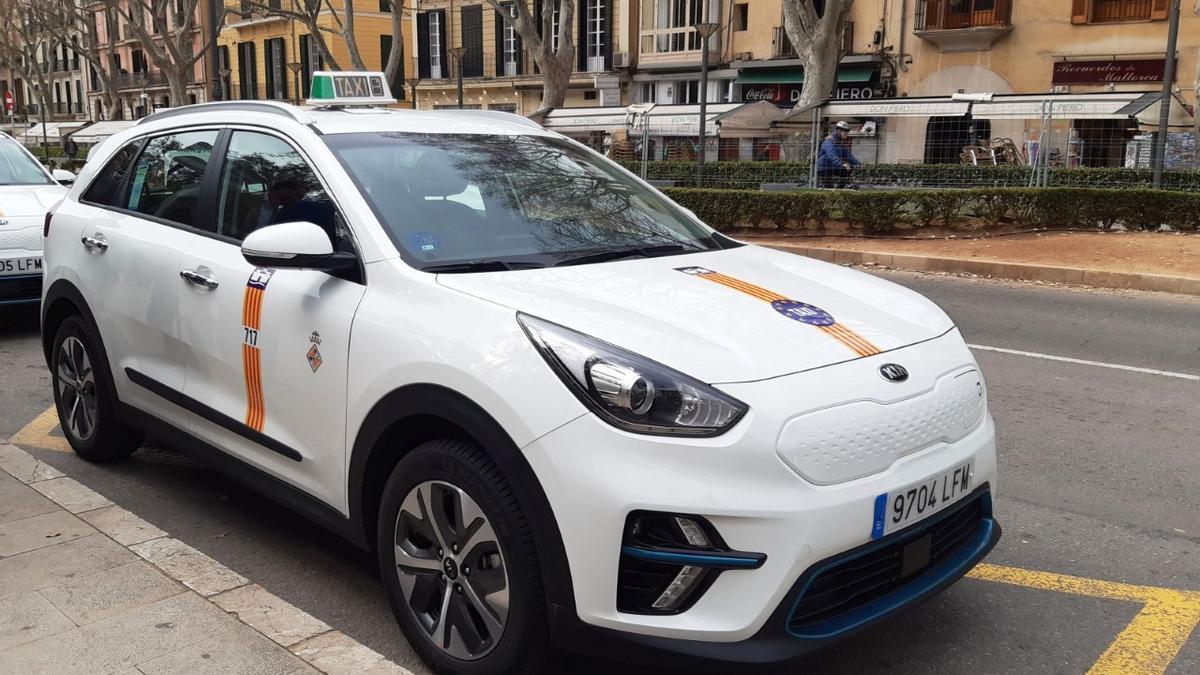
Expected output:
{"points": [[264, 182], [110, 180], [166, 179]]}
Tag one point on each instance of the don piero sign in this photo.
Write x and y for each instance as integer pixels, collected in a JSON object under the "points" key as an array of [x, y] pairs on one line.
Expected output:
{"points": [[1117, 71]]}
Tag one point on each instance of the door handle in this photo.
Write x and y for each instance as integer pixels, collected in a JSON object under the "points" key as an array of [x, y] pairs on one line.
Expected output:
{"points": [[94, 242], [199, 278]]}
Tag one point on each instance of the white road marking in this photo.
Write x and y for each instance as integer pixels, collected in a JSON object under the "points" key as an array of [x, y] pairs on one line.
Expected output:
{"points": [[1085, 362]]}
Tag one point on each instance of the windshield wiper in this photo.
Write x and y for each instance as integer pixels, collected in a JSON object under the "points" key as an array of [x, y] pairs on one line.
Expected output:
{"points": [[634, 252], [481, 266]]}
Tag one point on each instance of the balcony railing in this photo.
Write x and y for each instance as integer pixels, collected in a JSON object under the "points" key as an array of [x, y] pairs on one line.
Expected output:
{"points": [[962, 14], [64, 108], [141, 80], [963, 25], [674, 44]]}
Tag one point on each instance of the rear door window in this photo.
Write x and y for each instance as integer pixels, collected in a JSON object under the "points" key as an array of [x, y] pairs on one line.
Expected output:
{"points": [[167, 178], [107, 189]]}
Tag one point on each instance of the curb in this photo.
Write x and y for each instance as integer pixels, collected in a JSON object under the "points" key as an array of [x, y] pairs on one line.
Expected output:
{"points": [[1000, 270], [301, 634]]}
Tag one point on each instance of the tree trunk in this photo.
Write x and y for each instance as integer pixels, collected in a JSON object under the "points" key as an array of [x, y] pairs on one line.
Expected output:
{"points": [[556, 65], [394, 58], [177, 81], [817, 39]]}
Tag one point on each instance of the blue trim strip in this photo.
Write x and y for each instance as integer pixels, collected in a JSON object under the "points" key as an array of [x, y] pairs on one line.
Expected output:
{"points": [[699, 559], [22, 301], [967, 556]]}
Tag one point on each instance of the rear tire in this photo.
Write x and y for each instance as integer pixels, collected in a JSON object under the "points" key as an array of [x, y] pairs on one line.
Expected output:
{"points": [[467, 589], [84, 396]]}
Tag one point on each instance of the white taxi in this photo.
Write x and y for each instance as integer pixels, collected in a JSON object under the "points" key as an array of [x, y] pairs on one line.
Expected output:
{"points": [[27, 192], [564, 413]]}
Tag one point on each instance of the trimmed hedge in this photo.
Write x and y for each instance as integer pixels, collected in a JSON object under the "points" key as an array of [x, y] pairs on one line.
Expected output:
{"points": [[749, 175], [882, 212]]}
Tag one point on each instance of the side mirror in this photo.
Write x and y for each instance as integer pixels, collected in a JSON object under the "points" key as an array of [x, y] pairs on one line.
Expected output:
{"points": [[63, 176], [294, 246]]}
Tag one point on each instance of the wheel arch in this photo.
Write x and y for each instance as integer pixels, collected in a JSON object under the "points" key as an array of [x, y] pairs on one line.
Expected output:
{"points": [[62, 300], [411, 415]]}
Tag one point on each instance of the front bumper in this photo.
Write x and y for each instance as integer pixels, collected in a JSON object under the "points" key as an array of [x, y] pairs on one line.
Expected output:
{"points": [[595, 476]]}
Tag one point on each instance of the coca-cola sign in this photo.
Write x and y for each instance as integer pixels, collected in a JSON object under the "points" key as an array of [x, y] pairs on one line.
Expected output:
{"points": [[1119, 71], [788, 94]]}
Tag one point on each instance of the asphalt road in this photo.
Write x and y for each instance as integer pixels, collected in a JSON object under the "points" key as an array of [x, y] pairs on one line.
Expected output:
{"points": [[1100, 479]]}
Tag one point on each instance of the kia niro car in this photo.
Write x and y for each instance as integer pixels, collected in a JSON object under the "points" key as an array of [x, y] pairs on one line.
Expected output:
{"points": [[564, 413], [27, 192]]}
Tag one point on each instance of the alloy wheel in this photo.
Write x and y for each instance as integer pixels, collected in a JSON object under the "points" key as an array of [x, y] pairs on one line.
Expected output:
{"points": [[76, 388], [451, 569]]}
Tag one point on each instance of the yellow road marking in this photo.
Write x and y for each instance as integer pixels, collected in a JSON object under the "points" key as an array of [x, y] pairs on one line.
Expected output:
{"points": [[36, 434], [1148, 644]]}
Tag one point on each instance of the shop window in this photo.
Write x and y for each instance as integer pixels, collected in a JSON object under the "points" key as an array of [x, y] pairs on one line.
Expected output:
{"points": [[741, 16]]}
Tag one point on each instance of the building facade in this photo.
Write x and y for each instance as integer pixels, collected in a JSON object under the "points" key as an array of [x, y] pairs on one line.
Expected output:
{"points": [[62, 70], [141, 86], [498, 71], [265, 56]]}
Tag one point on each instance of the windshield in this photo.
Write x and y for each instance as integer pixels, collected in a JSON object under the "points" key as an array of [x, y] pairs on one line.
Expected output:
{"points": [[18, 168], [459, 202]]}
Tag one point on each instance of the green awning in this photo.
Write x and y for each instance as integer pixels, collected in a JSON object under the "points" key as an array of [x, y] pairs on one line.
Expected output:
{"points": [[796, 75]]}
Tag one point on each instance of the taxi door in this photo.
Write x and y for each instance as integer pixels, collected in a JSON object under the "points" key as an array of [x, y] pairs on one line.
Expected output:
{"points": [[268, 348]]}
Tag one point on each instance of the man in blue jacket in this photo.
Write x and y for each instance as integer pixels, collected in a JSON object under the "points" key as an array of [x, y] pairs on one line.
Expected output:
{"points": [[835, 162]]}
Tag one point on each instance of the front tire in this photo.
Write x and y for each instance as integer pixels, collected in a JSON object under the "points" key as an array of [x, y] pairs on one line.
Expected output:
{"points": [[458, 561], [83, 395]]}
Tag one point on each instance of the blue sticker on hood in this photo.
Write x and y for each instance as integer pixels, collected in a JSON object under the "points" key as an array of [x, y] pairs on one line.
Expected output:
{"points": [[803, 312]]}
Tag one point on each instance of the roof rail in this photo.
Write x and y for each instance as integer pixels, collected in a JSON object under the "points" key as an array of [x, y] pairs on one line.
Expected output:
{"points": [[272, 107]]}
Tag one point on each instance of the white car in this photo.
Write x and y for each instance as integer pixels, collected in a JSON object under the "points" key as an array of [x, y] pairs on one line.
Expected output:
{"points": [[564, 413], [27, 192]]}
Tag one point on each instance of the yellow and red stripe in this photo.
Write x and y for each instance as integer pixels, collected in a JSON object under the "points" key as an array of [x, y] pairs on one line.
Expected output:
{"points": [[252, 301], [843, 334]]}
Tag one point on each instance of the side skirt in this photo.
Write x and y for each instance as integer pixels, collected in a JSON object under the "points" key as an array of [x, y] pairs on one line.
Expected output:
{"points": [[250, 476]]}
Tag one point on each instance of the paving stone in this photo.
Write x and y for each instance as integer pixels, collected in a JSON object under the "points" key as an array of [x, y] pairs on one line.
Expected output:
{"points": [[8, 483], [55, 564], [118, 643], [24, 467], [29, 617], [89, 598], [189, 566], [122, 525], [22, 503], [241, 651], [270, 615], [39, 531], [71, 495], [334, 653]]}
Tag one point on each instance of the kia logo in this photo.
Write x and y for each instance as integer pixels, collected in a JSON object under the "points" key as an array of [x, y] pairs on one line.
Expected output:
{"points": [[893, 372]]}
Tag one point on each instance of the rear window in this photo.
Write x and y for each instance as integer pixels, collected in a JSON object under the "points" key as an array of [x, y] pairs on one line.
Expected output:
{"points": [[106, 188]]}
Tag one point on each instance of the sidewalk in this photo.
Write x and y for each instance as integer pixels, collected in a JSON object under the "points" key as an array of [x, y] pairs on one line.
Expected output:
{"points": [[88, 587], [1132, 260]]}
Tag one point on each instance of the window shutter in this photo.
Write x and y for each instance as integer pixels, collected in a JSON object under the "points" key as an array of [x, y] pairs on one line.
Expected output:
{"points": [[581, 50], [499, 43], [608, 34], [305, 67], [1160, 10], [471, 34], [1079, 11], [423, 45]]}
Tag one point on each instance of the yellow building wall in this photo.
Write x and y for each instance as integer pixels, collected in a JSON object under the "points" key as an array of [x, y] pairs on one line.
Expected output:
{"points": [[369, 25]]}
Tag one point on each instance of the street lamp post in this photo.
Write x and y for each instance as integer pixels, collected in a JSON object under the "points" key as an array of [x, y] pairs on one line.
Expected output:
{"points": [[457, 53], [295, 68], [412, 87], [706, 31], [1164, 106]]}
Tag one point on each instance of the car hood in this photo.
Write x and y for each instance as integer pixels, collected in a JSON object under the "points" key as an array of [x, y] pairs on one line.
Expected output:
{"points": [[20, 201], [735, 315]]}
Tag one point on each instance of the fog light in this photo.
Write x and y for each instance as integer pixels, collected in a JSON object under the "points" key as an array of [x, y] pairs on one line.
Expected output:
{"points": [[621, 386], [680, 587]]}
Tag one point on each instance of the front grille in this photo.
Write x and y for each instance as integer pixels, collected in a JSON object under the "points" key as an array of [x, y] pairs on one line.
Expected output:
{"points": [[848, 585], [20, 288]]}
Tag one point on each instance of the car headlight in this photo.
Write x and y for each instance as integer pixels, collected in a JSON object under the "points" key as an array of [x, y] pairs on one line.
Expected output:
{"points": [[630, 391]]}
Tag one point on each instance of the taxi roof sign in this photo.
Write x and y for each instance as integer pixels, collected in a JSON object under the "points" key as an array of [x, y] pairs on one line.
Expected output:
{"points": [[349, 88]]}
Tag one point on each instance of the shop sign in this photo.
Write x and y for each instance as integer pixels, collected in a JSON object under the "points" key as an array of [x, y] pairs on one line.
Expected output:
{"points": [[789, 94], [1120, 71]]}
